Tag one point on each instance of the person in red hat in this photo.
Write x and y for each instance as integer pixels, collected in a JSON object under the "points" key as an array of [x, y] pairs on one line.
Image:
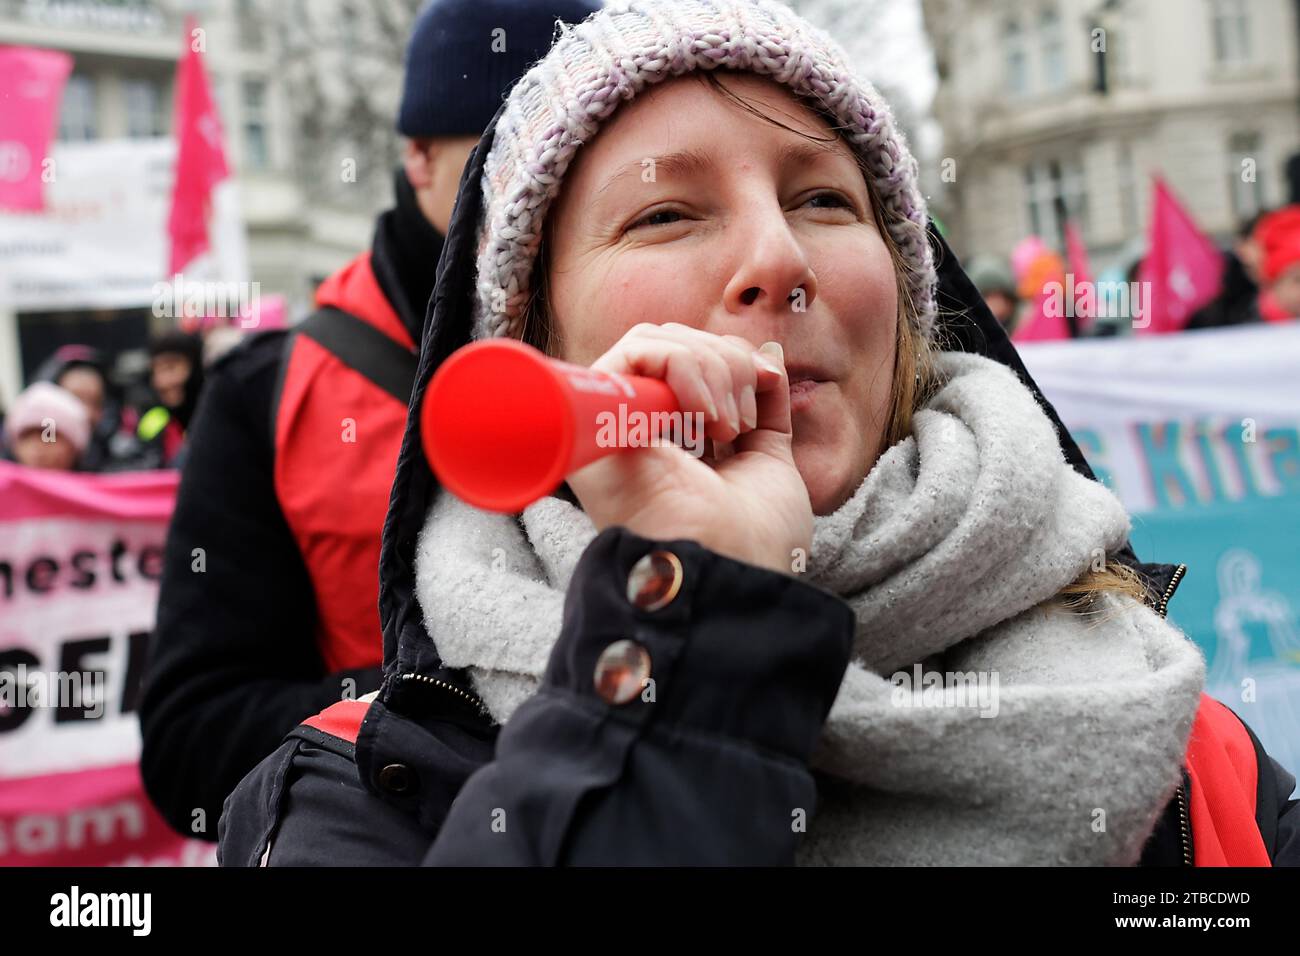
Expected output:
{"points": [[1278, 234]]}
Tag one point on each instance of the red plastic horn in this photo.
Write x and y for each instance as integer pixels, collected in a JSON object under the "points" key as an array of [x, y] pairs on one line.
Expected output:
{"points": [[503, 424]]}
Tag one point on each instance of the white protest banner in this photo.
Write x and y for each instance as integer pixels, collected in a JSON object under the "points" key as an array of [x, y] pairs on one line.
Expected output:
{"points": [[102, 243]]}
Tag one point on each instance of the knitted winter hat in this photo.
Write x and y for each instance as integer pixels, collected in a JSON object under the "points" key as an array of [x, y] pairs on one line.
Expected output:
{"points": [[42, 405], [616, 54]]}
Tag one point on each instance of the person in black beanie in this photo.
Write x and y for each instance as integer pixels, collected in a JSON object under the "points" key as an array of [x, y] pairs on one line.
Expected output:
{"points": [[268, 605]]}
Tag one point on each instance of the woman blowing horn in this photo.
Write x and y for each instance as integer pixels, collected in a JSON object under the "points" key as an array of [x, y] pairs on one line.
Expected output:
{"points": [[712, 660]]}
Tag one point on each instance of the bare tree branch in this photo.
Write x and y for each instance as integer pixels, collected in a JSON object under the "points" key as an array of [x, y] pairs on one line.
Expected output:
{"points": [[340, 64]]}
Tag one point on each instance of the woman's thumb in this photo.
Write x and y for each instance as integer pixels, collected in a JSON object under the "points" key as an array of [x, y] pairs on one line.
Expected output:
{"points": [[772, 435]]}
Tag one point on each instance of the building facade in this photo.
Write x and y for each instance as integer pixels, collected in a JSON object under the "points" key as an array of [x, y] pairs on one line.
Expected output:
{"points": [[125, 54], [1056, 109]]}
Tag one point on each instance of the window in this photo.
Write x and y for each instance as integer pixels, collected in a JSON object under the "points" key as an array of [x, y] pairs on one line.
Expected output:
{"points": [[1119, 63], [1052, 42], [1110, 35], [1230, 28], [144, 115], [1016, 58], [257, 154], [251, 25], [1055, 192], [1128, 190], [77, 112], [1244, 184]]}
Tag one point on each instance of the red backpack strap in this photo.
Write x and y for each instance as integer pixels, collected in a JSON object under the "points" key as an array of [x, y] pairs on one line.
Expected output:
{"points": [[336, 727], [1223, 766]]}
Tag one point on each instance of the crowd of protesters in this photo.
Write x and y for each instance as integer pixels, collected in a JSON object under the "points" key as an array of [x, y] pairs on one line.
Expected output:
{"points": [[1261, 279], [78, 416]]}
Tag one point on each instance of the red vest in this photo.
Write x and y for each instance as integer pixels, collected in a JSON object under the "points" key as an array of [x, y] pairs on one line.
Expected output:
{"points": [[337, 436]]}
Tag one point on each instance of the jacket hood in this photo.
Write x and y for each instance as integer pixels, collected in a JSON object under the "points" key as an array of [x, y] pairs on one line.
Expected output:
{"points": [[964, 324]]}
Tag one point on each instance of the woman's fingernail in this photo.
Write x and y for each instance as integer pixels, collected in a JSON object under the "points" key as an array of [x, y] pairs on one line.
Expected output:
{"points": [[749, 406], [713, 407], [773, 349], [733, 413]]}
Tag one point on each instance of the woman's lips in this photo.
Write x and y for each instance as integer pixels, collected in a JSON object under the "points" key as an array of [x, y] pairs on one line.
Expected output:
{"points": [[803, 392]]}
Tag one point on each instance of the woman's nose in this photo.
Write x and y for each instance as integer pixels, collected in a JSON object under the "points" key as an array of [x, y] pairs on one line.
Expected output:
{"points": [[772, 272]]}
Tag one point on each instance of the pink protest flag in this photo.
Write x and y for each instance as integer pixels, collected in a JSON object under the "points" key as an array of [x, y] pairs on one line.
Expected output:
{"points": [[1076, 256], [1043, 320], [1076, 253], [271, 312], [1040, 284], [31, 85], [1183, 267], [200, 156]]}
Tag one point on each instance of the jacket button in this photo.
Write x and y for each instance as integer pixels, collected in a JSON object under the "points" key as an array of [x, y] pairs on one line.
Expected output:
{"points": [[655, 580], [621, 671], [397, 778]]}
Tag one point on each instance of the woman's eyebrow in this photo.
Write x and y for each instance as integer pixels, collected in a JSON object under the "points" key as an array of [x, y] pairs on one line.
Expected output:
{"points": [[685, 162], [806, 152]]}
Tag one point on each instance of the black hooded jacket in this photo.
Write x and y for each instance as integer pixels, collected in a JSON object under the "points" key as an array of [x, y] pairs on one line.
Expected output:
{"points": [[234, 663], [421, 776]]}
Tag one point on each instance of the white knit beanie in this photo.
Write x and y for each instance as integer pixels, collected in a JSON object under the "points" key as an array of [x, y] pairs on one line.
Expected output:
{"points": [[620, 51], [45, 405]]}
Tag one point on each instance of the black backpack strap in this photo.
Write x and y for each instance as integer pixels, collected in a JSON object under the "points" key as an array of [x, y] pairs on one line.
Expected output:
{"points": [[286, 350], [364, 349], [358, 345]]}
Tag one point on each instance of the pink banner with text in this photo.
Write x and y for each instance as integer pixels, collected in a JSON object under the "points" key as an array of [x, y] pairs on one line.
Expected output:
{"points": [[80, 561]]}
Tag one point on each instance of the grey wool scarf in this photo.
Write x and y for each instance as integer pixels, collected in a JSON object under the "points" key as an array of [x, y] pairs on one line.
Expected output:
{"points": [[950, 553]]}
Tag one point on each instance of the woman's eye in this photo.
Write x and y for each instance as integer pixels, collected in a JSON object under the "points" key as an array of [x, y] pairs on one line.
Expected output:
{"points": [[662, 217], [829, 201]]}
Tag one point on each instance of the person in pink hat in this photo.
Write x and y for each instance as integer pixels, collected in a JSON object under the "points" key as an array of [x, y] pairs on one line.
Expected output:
{"points": [[49, 427]]}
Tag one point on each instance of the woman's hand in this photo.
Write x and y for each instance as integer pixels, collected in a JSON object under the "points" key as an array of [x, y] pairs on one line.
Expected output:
{"points": [[747, 501]]}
